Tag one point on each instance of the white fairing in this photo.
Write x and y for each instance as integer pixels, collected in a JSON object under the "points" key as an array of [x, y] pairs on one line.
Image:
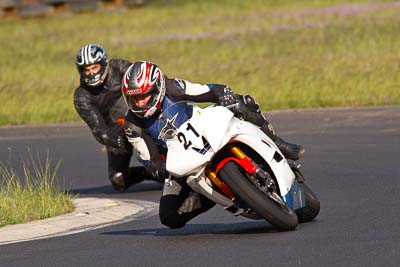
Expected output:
{"points": [[212, 124], [281, 169], [209, 129]]}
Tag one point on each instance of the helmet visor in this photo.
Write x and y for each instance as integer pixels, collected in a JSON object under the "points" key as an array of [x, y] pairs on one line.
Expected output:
{"points": [[140, 102], [143, 100]]}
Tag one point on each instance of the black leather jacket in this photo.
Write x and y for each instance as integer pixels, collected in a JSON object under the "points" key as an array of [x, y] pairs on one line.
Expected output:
{"points": [[100, 106]]}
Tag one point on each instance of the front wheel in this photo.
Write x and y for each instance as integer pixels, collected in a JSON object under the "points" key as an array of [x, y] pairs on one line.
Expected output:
{"points": [[274, 211], [311, 210]]}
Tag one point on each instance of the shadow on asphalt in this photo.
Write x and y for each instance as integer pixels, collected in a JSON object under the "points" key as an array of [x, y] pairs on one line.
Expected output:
{"points": [[252, 227], [108, 189]]}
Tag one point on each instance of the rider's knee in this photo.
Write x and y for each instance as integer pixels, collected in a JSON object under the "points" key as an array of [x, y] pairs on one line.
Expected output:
{"points": [[117, 181], [168, 213], [171, 220]]}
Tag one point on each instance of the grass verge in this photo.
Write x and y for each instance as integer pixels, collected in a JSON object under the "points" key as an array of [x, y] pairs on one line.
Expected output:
{"points": [[34, 197], [288, 54]]}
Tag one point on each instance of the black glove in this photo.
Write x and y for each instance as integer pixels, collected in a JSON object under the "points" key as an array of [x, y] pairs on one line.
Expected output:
{"points": [[245, 106], [117, 145], [112, 138], [228, 98]]}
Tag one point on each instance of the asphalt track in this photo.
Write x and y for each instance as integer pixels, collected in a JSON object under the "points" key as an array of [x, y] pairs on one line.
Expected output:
{"points": [[351, 163]]}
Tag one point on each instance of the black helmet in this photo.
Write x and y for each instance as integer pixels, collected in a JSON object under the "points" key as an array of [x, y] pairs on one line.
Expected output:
{"points": [[88, 55]]}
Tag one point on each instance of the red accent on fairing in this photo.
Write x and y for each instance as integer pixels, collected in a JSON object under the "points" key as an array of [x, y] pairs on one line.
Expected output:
{"points": [[244, 162]]}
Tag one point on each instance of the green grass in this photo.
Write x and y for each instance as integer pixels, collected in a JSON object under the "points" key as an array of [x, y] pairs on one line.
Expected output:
{"points": [[288, 54], [34, 197]]}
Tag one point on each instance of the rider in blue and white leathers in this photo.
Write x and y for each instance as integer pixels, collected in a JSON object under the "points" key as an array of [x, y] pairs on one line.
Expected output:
{"points": [[148, 92]]}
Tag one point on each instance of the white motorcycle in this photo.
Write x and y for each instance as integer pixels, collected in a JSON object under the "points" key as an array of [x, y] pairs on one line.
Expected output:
{"points": [[233, 163]]}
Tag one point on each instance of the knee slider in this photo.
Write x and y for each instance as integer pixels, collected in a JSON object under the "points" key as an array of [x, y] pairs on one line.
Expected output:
{"points": [[171, 220], [117, 177], [117, 180], [168, 213]]}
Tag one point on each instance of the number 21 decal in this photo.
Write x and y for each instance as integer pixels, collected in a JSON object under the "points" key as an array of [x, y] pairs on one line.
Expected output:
{"points": [[182, 138]]}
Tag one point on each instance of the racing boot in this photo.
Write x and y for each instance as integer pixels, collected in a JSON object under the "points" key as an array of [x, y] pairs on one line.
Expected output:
{"points": [[289, 150]]}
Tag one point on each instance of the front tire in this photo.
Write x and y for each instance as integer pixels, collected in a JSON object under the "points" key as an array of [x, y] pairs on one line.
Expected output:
{"points": [[311, 210], [235, 178]]}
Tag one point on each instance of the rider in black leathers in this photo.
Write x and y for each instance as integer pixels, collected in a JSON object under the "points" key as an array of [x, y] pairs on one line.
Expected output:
{"points": [[99, 102], [148, 92]]}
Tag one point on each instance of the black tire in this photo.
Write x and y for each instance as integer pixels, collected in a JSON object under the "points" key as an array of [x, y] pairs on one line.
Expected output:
{"points": [[235, 178], [311, 210]]}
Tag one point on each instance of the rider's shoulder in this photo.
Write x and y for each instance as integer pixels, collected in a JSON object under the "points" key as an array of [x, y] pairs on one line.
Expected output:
{"points": [[119, 64], [174, 84], [81, 91]]}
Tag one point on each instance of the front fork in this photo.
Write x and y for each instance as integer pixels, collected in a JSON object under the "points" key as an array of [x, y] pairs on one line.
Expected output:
{"points": [[260, 174], [296, 170], [295, 197], [247, 164]]}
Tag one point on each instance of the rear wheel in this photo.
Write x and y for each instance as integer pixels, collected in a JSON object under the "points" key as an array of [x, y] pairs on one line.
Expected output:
{"points": [[311, 210], [270, 207]]}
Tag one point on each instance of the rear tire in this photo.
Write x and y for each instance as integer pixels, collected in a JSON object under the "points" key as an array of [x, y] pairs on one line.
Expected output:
{"points": [[311, 210], [235, 178]]}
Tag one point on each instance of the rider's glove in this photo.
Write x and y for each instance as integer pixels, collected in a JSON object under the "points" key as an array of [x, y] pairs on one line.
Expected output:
{"points": [[228, 98], [245, 106], [112, 138], [117, 144]]}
